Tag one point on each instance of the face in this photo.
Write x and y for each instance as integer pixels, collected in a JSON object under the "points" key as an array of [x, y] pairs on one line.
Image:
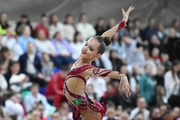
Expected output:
{"points": [[163, 109], [123, 69], [139, 117], [148, 70], [41, 35], [124, 117], [58, 37], [114, 54], [36, 115], [64, 109], [110, 89], [156, 113], [30, 48], [126, 40], [41, 109], [15, 68], [69, 20], [89, 89], [137, 24], [151, 22], [116, 36], [9, 31], [54, 18], [3, 17], [26, 31], [141, 103], [56, 116], [112, 22], [172, 32], [44, 21], [84, 18], [155, 52], [101, 22], [111, 113], [35, 90], [90, 50], [136, 69], [176, 112], [78, 38]]}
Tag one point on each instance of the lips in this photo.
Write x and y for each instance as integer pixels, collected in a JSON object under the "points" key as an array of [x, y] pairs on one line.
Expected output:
{"points": [[83, 52]]}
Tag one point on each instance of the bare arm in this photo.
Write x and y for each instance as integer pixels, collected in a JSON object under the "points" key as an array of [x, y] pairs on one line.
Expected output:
{"points": [[122, 24], [124, 84]]}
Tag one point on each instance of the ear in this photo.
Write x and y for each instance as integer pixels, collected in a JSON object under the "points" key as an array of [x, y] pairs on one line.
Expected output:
{"points": [[98, 56]]}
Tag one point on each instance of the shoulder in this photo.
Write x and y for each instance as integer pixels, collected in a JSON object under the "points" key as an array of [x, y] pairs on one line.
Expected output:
{"points": [[168, 73]]}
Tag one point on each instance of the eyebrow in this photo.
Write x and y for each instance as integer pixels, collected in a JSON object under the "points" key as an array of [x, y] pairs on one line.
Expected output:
{"points": [[91, 46]]}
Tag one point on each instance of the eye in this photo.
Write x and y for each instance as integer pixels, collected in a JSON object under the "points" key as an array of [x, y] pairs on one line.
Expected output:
{"points": [[85, 44], [91, 49]]}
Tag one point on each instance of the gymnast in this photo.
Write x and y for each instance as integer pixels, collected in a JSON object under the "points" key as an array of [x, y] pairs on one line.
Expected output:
{"points": [[81, 70]]}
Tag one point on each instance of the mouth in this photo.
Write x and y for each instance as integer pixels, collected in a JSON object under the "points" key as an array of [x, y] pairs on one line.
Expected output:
{"points": [[83, 52]]}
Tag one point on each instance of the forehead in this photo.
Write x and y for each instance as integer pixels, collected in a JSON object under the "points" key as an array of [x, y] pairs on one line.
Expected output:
{"points": [[93, 42]]}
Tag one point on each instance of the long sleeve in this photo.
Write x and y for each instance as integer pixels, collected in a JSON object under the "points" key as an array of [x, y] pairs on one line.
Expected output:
{"points": [[3, 82]]}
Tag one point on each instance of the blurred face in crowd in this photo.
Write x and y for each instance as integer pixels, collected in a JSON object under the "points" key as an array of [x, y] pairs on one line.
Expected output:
{"points": [[84, 18], [136, 69], [146, 54], [64, 108], [141, 103], [151, 22], [24, 19], [148, 70], [90, 50], [156, 113], [44, 21], [54, 18], [110, 89], [69, 19], [126, 40], [41, 109], [26, 31], [15, 68], [155, 52], [116, 36], [137, 24], [41, 35], [16, 98], [114, 54], [160, 26], [9, 31], [78, 38], [163, 109], [36, 115], [3, 18], [176, 112], [160, 70], [101, 22], [139, 117], [56, 116], [112, 22], [89, 89], [123, 69], [165, 57], [111, 113], [172, 32], [124, 116], [58, 36], [176, 23], [130, 24], [30, 48], [154, 40], [63, 74], [176, 68], [34, 90], [118, 114]]}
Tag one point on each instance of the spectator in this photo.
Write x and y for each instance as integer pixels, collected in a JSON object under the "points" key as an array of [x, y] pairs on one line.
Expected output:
{"points": [[125, 116], [13, 106], [99, 27], [54, 89], [134, 79], [115, 60], [10, 42], [137, 31], [176, 113], [110, 115], [156, 55], [25, 38], [3, 23], [129, 29], [47, 67], [119, 46], [31, 65], [56, 116], [63, 51], [5, 58], [55, 26], [76, 45], [69, 28], [147, 85], [43, 25], [150, 29], [34, 97], [139, 117], [36, 115], [41, 109], [172, 83], [163, 109], [111, 23], [160, 31], [110, 98], [64, 109], [24, 21], [156, 115], [166, 62], [85, 28], [141, 108], [135, 54], [154, 42], [4, 84], [90, 92], [43, 45], [16, 81], [96, 82], [159, 77]]}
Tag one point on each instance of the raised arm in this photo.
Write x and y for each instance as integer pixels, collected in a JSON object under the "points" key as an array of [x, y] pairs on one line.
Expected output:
{"points": [[120, 25], [124, 84]]}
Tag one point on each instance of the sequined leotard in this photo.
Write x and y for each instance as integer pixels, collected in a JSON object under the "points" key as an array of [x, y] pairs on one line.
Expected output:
{"points": [[74, 88]]}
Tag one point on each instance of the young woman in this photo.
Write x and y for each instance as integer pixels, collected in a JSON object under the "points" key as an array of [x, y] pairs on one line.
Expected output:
{"points": [[81, 70]]}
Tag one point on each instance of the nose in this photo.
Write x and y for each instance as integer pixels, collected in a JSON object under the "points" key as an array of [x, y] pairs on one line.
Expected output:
{"points": [[85, 48]]}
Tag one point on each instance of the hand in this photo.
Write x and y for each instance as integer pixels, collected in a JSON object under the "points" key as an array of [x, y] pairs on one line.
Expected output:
{"points": [[40, 75], [126, 14], [135, 50], [124, 86]]}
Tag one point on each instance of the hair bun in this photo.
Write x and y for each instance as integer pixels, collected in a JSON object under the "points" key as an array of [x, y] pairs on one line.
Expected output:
{"points": [[107, 41]]}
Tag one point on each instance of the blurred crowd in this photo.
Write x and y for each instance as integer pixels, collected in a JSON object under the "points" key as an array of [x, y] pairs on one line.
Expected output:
{"points": [[34, 61]]}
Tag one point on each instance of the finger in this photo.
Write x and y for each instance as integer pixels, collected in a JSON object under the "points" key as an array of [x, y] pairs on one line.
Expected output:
{"points": [[123, 10], [130, 9]]}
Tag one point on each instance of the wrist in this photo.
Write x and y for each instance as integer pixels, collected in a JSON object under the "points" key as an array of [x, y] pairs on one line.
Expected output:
{"points": [[121, 25], [123, 76]]}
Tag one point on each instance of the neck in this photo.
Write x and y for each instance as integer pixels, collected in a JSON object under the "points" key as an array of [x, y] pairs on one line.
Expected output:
{"points": [[82, 61]]}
